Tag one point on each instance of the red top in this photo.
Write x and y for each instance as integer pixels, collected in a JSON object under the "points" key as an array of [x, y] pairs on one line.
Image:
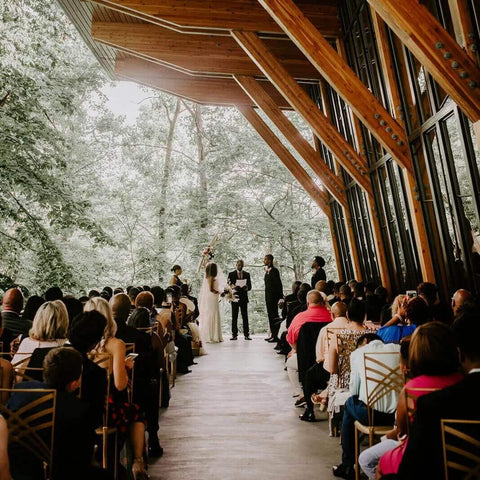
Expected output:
{"points": [[314, 313]]}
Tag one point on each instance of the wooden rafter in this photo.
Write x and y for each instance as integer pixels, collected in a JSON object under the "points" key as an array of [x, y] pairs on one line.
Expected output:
{"points": [[314, 160], [319, 196], [215, 91], [441, 55], [353, 163], [341, 78], [220, 16], [196, 54]]}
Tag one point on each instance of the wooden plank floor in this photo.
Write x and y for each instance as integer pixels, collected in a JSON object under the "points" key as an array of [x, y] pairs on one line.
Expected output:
{"points": [[233, 418]]}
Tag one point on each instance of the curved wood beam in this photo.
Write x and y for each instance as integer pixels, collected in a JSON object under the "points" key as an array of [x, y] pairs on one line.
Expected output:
{"points": [[347, 156], [318, 196], [342, 78], [313, 158]]}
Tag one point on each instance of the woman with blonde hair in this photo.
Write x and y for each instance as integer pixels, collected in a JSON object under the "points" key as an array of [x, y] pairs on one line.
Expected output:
{"points": [[49, 329], [125, 416]]}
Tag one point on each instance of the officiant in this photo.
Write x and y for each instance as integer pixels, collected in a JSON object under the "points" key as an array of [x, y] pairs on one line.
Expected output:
{"points": [[240, 280]]}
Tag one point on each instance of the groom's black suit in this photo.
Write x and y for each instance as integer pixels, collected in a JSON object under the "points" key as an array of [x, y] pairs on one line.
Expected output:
{"points": [[242, 303]]}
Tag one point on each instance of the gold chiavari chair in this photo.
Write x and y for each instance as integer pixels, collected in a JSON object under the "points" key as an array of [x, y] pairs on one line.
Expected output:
{"points": [[105, 360], [331, 332], [32, 427], [383, 376], [461, 448], [411, 397]]}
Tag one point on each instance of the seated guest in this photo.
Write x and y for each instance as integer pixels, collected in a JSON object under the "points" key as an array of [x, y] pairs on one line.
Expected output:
{"points": [[317, 376], [369, 458], [49, 330], [144, 300], [355, 406], [433, 364], [462, 299], [345, 294], [125, 416], [301, 304], [132, 294], [437, 310], [158, 296], [336, 293], [416, 313], [359, 291], [385, 306], [316, 312], [423, 457], [12, 304], [74, 307], [190, 302], [31, 307], [53, 293], [85, 331], [74, 424], [372, 302]]}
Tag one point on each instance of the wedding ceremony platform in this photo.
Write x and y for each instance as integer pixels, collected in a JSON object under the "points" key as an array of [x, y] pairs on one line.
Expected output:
{"points": [[233, 417]]}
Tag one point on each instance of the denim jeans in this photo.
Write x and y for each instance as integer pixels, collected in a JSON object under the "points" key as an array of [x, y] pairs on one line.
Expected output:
{"points": [[370, 457], [355, 409]]}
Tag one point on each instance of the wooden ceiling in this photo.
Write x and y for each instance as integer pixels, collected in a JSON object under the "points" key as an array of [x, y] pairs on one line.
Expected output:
{"points": [[186, 47]]}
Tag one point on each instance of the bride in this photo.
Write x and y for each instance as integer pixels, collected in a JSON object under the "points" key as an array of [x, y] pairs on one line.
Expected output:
{"points": [[209, 319]]}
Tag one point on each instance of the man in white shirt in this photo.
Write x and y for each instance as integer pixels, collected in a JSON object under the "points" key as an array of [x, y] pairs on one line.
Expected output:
{"points": [[317, 376], [355, 406]]}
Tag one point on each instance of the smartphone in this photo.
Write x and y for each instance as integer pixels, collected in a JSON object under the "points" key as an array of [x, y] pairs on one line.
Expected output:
{"points": [[411, 293], [132, 355]]}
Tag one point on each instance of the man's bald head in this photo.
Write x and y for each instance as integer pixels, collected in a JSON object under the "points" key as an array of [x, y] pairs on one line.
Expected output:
{"points": [[120, 304], [339, 309], [314, 297], [460, 297], [13, 300]]}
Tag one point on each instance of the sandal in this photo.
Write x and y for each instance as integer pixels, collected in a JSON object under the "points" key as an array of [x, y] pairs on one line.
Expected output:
{"points": [[318, 399], [138, 470]]}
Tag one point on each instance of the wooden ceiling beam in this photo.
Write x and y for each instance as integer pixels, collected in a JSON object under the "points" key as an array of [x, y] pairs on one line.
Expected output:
{"points": [[313, 158], [209, 91], [341, 78], [222, 15], [434, 48], [347, 156], [197, 54], [319, 196]]}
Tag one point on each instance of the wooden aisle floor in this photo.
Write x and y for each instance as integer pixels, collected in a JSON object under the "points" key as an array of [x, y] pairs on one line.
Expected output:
{"points": [[233, 418]]}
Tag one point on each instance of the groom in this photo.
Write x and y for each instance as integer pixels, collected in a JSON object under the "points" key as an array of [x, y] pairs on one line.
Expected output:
{"points": [[241, 281]]}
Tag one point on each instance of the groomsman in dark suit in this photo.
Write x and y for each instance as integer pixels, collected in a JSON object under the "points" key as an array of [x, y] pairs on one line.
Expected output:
{"points": [[273, 292], [241, 280]]}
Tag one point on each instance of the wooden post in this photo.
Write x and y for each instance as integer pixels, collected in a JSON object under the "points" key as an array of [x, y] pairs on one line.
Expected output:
{"points": [[304, 105], [415, 207]]}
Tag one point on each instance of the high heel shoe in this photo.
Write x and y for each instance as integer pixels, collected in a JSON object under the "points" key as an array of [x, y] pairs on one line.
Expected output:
{"points": [[317, 399]]}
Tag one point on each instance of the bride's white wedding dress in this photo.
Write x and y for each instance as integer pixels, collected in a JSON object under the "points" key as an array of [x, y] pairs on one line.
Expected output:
{"points": [[208, 304]]}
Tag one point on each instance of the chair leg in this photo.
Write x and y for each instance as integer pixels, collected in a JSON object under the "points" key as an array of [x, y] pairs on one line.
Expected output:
{"points": [[357, 468]]}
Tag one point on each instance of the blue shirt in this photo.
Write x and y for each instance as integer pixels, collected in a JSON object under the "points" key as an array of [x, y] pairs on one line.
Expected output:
{"points": [[395, 333]]}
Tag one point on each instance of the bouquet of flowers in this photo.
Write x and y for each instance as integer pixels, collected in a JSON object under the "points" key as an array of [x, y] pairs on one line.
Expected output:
{"points": [[230, 294]]}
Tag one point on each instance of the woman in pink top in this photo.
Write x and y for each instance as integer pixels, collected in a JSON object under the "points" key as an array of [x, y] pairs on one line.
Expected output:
{"points": [[433, 363]]}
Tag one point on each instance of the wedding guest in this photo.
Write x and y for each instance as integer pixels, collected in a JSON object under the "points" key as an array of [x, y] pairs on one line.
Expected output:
{"points": [[49, 329], [460, 298], [355, 406], [31, 307], [12, 304], [316, 312], [319, 272], [177, 271], [273, 293], [437, 309], [53, 293], [423, 457], [317, 376]]}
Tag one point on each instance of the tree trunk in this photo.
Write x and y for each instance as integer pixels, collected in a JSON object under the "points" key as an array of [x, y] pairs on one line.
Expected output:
{"points": [[164, 182], [202, 174]]}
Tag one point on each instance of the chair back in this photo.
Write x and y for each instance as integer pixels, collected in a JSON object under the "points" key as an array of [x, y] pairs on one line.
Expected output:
{"points": [[31, 427], [331, 332], [149, 330], [411, 397], [461, 448], [306, 342], [383, 379]]}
